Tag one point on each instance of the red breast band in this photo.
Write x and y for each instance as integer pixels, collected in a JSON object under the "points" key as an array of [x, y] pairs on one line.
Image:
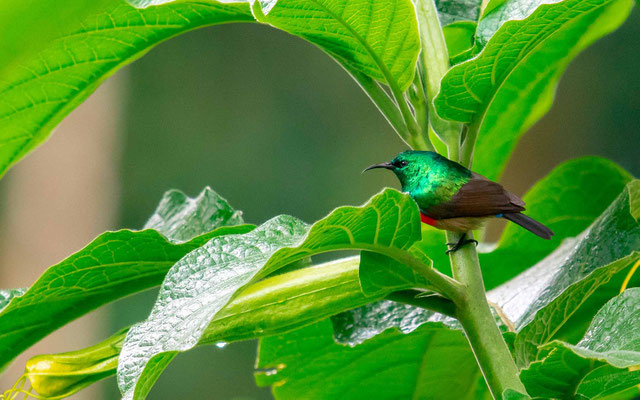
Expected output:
{"points": [[427, 220]]}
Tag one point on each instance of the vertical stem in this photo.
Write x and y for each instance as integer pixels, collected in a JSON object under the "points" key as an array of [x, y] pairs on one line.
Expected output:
{"points": [[466, 153], [385, 104], [487, 343], [472, 309]]}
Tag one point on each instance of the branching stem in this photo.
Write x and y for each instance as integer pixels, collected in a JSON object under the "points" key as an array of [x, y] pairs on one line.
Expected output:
{"points": [[471, 306]]}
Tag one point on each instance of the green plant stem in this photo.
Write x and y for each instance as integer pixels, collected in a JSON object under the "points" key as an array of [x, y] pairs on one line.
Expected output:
{"points": [[471, 134], [472, 309], [433, 303], [417, 139], [385, 104], [396, 111], [435, 61], [473, 312]]}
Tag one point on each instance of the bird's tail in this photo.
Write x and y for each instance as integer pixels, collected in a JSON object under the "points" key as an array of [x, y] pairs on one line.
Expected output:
{"points": [[529, 224]]}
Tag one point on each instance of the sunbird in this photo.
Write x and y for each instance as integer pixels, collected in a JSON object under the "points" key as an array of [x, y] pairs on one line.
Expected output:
{"points": [[453, 198]]}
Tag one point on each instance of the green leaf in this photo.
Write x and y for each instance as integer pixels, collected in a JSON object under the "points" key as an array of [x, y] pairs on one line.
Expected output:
{"points": [[610, 383], [377, 38], [432, 362], [181, 218], [450, 11], [505, 10], [39, 89], [510, 84], [26, 26], [492, 5], [276, 305], [597, 365], [200, 284], [112, 266], [556, 298], [424, 354], [459, 37], [511, 394]]}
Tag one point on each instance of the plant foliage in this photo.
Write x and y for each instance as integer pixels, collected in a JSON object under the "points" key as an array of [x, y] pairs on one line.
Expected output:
{"points": [[387, 322]]}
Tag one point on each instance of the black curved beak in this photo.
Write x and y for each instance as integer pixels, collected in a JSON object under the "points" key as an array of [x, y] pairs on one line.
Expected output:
{"points": [[384, 165]]}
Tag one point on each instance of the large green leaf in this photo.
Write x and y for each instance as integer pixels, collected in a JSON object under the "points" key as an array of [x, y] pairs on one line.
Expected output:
{"points": [[180, 218], [557, 297], [112, 266], [432, 362], [597, 365], [39, 89], [510, 84], [377, 38], [53, 73], [200, 284]]}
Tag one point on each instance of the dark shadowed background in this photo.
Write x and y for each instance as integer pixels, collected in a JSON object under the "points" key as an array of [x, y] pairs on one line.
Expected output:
{"points": [[273, 125]]}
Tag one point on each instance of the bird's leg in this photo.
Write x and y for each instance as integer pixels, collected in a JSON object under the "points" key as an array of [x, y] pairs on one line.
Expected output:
{"points": [[461, 242]]}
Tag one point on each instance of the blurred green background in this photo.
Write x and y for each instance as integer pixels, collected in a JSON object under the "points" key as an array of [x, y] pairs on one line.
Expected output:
{"points": [[276, 126]]}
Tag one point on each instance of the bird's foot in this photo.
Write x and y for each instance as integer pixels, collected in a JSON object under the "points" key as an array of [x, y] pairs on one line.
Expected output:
{"points": [[461, 242]]}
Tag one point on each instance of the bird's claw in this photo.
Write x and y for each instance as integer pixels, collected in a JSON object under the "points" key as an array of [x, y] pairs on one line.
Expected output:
{"points": [[463, 241]]}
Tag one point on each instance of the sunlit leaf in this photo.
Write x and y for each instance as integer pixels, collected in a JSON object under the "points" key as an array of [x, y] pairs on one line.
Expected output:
{"points": [[271, 306], [6, 295], [459, 37], [567, 200]]}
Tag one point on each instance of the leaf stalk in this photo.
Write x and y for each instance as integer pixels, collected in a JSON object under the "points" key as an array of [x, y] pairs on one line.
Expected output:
{"points": [[435, 64], [471, 306]]}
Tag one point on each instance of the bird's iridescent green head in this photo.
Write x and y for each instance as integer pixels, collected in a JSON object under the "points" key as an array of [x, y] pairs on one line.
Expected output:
{"points": [[415, 168]]}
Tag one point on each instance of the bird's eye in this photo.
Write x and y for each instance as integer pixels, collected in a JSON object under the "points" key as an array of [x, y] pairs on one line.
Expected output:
{"points": [[403, 163]]}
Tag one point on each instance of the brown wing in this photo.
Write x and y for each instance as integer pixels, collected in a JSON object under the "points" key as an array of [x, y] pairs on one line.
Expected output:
{"points": [[477, 198]]}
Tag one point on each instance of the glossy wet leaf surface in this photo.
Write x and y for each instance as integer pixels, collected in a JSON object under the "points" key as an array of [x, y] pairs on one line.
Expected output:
{"points": [[498, 93], [204, 281], [112, 266], [567, 200], [597, 365]]}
